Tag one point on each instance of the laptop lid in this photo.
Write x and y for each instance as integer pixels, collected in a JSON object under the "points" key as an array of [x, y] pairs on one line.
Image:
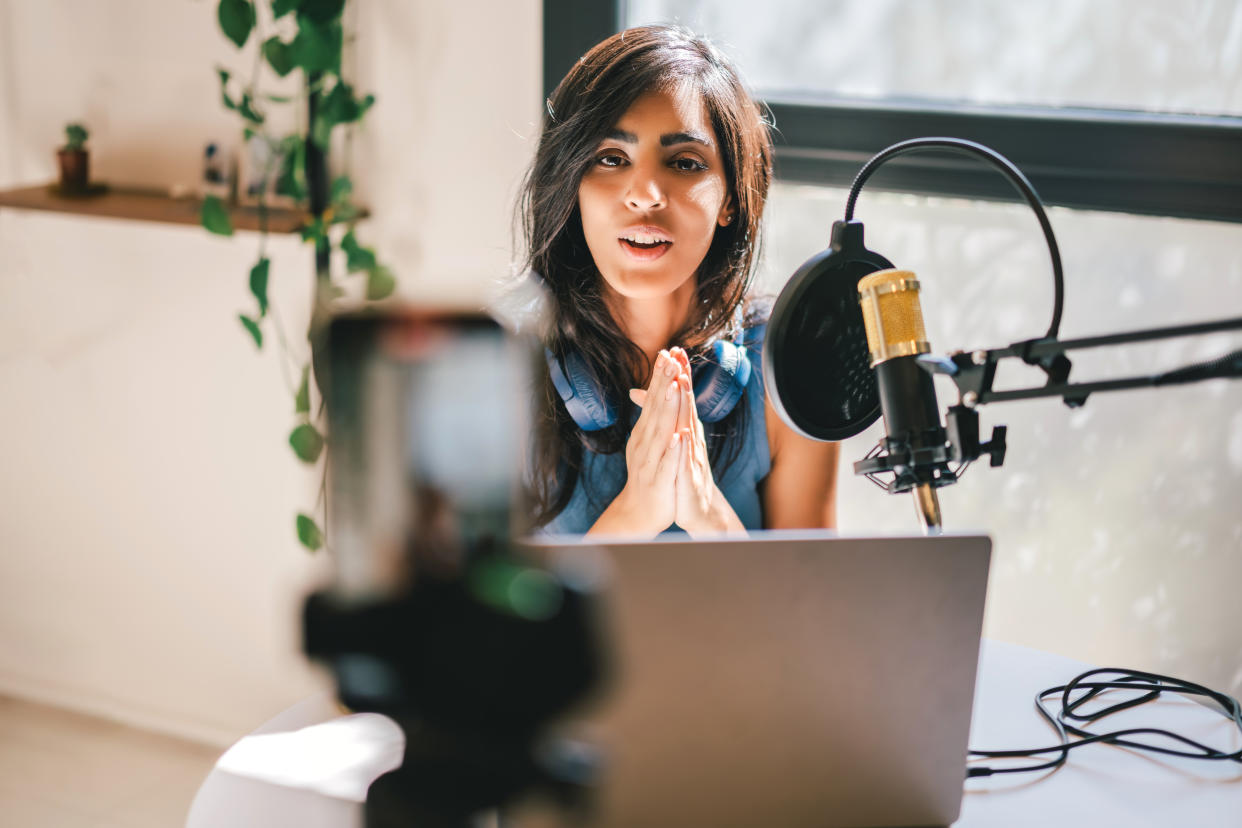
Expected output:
{"points": [[788, 678]]}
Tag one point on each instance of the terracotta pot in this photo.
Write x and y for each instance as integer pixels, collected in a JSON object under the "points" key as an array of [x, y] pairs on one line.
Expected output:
{"points": [[74, 170]]}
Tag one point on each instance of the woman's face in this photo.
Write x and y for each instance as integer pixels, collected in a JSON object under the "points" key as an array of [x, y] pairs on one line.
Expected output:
{"points": [[654, 195]]}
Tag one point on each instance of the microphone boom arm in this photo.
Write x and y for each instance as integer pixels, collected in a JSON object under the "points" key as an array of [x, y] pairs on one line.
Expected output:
{"points": [[973, 373]]}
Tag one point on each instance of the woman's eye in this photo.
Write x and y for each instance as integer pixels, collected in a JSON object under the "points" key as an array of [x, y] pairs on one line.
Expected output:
{"points": [[610, 160], [689, 164]]}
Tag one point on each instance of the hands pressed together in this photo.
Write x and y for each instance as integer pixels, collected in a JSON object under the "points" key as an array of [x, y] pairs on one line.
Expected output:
{"points": [[669, 476]]}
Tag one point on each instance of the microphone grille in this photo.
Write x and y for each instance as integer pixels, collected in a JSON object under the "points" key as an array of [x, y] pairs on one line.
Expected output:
{"points": [[892, 315]]}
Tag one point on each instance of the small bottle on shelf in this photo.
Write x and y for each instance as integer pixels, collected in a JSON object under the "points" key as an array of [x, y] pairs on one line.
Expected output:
{"points": [[215, 173]]}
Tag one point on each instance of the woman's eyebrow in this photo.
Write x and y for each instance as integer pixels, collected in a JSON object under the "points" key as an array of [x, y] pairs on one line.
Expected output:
{"points": [[667, 140], [684, 138]]}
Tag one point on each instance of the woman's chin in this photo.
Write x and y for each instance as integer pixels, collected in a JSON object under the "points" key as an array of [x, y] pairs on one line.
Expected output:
{"points": [[645, 286]]}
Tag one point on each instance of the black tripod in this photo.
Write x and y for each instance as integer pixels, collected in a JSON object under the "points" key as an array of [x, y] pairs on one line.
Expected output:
{"points": [[472, 668]]}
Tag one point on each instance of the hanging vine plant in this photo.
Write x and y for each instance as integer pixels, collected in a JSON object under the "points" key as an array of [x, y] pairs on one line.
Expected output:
{"points": [[311, 44]]}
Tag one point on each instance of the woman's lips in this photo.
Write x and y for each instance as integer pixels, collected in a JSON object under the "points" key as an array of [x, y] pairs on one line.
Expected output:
{"points": [[644, 254]]}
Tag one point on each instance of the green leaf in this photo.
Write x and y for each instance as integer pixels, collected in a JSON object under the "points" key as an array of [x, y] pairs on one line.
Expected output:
{"points": [[292, 178], [247, 111], [215, 216], [342, 187], [307, 442], [380, 283], [341, 107], [253, 327], [363, 105], [357, 257], [321, 132], [282, 7], [321, 11], [75, 136], [317, 48], [301, 403], [236, 20], [279, 55], [258, 284], [224, 89], [314, 230], [338, 105], [308, 532]]}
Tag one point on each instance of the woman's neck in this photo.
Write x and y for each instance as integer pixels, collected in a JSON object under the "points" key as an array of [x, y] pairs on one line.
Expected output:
{"points": [[651, 323]]}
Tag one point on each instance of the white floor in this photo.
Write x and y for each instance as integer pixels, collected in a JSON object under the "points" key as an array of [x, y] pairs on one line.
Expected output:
{"points": [[60, 769]]}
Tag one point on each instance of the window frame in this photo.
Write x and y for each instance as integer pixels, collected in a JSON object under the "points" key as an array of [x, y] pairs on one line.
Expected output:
{"points": [[1182, 166]]}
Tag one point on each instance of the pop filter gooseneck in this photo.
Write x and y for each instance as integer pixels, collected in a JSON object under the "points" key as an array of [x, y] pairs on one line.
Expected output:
{"points": [[816, 365], [1015, 176]]}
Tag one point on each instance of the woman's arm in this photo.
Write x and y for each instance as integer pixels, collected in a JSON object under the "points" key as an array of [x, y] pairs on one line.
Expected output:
{"points": [[801, 488]]}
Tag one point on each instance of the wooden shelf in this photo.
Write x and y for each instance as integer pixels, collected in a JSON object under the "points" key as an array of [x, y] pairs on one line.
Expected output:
{"points": [[146, 205]]}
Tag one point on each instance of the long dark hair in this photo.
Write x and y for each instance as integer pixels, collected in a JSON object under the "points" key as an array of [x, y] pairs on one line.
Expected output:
{"points": [[584, 108]]}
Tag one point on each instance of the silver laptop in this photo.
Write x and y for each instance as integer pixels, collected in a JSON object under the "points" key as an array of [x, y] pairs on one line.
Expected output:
{"points": [[791, 679]]}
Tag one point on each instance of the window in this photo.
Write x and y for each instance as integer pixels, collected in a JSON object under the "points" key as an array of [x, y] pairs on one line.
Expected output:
{"points": [[1121, 106]]}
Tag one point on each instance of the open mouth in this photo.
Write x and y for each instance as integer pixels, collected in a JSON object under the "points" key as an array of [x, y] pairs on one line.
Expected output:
{"points": [[644, 251], [645, 246]]}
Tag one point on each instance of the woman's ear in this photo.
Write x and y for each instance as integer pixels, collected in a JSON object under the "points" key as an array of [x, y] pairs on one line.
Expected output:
{"points": [[725, 218]]}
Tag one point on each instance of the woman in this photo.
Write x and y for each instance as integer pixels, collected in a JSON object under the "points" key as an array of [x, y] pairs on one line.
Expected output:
{"points": [[642, 215]]}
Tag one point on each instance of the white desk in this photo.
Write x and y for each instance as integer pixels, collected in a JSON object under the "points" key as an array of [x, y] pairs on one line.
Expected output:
{"points": [[310, 767], [1100, 785]]}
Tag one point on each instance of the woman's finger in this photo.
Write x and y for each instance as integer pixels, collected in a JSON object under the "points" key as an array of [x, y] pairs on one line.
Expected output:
{"points": [[672, 461], [682, 359], [694, 427], [638, 396], [657, 422], [659, 417], [670, 407], [652, 398], [697, 424], [687, 403]]}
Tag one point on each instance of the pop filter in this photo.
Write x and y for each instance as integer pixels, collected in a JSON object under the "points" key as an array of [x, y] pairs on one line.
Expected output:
{"points": [[816, 366]]}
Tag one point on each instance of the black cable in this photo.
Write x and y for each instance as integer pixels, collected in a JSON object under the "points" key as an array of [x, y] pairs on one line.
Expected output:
{"points": [[1006, 166], [1153, 683]]}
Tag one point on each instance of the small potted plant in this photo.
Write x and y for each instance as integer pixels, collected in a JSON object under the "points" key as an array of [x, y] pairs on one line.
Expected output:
{"points": [[74, 160]]}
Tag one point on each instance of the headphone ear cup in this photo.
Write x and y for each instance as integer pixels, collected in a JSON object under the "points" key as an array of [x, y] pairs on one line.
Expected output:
{"points": [[584, 399], [720, 380]]}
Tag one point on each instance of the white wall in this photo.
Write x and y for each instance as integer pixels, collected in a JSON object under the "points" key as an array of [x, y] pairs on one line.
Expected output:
{"points": [[148, 566]]}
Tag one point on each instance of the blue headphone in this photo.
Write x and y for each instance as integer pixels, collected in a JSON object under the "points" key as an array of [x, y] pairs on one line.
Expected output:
{"points": [[719, 381]]}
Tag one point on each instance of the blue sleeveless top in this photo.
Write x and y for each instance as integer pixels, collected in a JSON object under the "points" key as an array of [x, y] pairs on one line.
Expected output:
{"points": [[604, 475]]}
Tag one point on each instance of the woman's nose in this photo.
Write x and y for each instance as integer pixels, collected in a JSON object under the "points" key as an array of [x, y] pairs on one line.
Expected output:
{"points": [[645, 192]]}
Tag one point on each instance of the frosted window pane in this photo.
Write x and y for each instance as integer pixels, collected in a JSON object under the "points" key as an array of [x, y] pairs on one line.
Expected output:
{"points": [[1119, 54]]}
